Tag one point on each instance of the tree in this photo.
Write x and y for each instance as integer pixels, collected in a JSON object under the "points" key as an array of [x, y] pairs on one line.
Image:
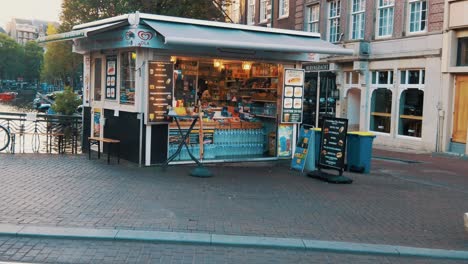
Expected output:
{"points": [[11, 54], [59, 62], [33, 59], [66, 102], [82, 11]]}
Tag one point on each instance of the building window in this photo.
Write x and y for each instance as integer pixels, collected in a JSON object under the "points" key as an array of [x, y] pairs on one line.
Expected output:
{"points": [[283, 8], [127, 77], [351, 78], [263, 10], [411, 102], [334, 21], [462, 52], [97, 79], [251, 12], [418, 16], [235, 11], [385, 17], [381, 101], [358, 19], [312, 15]]}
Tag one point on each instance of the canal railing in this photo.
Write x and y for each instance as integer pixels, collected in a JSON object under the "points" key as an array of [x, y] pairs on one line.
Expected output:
{"points": [[41, 133]]}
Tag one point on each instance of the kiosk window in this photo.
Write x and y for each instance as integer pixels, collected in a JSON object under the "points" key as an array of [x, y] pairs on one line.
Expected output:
{"points": [[127, 79], [97, 79]]}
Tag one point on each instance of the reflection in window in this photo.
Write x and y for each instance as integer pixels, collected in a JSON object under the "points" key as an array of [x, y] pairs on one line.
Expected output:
{"points": [[382, 77], [411, 110], [97, 79], [381, 110], [462, 52], [127, 75]]}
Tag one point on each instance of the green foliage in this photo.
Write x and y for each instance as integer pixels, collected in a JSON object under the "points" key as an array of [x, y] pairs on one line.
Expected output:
{"points": [[12, 56], [66, 102], [33, 59], [82, 11], [59, 61]]}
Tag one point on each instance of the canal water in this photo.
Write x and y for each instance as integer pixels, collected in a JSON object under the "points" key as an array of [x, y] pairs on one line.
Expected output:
{"points": [[29, 143]]}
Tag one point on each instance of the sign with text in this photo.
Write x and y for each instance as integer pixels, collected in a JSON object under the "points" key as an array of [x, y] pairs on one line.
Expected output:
{"points": [[333, 143], [160, 91], [111, 77], [293, 94]]}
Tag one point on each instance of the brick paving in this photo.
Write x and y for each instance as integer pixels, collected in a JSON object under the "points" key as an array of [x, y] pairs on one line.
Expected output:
{"points": [[417, 205], [83, 251]]}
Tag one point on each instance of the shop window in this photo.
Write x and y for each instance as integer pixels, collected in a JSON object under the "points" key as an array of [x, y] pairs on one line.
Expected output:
{"points": [[334, 21], [351, 77], [414, 78], [385, 11], [358, 19], [411, 112], [97, 79], [127, 77], [381, 110], [312, 13], [417, 16], [462, 52]]}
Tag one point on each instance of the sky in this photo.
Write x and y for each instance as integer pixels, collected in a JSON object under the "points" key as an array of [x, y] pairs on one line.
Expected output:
{"points": [[48, 10]]}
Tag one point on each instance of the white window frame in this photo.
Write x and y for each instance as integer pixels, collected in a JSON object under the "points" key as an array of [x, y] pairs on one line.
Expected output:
{"points": [[334, 9], [389, 6], [358, 19], [313, 18], [419, 13], [283, 8], [250, 12], [263, 11], [390, 86]]}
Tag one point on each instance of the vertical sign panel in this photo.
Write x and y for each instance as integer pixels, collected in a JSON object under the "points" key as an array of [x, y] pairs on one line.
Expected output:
{"points": [[302, 149], [111, 77], [160, 91], [293, 95], [333, 144]]}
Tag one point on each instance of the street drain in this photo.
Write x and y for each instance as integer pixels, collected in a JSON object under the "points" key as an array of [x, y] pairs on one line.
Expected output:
{"points": [[396, 160]]}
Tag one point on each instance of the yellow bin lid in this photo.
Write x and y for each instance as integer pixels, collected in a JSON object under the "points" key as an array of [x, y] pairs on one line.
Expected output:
{"points": [[362, 133]]}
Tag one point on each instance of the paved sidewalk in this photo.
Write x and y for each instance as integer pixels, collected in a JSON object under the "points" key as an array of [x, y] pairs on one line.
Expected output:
{"points": [[407, 204]]}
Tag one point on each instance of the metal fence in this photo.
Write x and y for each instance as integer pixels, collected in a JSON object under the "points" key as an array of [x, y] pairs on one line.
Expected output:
{"points": [[40, 133]]}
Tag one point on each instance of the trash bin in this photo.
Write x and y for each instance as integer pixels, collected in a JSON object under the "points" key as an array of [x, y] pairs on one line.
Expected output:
{"points": [[359, 151], [318, 136]]}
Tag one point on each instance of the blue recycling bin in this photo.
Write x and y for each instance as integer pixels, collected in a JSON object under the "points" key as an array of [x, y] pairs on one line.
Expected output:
{"points": [[359, 151]]}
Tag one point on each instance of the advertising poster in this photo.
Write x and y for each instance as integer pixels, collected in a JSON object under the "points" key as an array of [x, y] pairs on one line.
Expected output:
{"points": [[302, 149], [285, 134], [96, 123], [111, 77], [160, 91], [293, 95], [333, 144]]}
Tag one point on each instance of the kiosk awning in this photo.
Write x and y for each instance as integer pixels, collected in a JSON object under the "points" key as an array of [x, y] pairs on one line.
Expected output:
{"points": [[232, 38], [81, 33]]}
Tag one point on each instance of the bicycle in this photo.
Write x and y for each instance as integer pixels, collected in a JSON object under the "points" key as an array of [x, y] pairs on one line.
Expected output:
{"points": [[4, 137]]}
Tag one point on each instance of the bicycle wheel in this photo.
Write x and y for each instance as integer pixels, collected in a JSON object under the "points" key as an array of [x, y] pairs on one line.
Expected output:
{"points": [[4, 138]]}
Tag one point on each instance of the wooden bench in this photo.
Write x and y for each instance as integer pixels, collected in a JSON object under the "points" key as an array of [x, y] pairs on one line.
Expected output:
{"points": [[97, 141]]}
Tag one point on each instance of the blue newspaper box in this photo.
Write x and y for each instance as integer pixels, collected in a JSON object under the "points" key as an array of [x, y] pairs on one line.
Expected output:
{"points": [[359, 151]]}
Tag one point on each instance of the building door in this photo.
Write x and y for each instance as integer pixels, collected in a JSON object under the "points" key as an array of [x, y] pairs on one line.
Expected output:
{"points": [[325, 95], [460, 111], [353, 109]]}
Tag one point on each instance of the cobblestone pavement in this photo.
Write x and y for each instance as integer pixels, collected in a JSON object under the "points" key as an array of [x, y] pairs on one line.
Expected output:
{"points": [[83, 251], [410, 204]]}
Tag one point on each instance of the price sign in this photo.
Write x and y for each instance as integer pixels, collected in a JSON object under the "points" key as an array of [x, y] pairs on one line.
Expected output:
{"points": [[293, 94], [333, 144], [160, 91]]}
